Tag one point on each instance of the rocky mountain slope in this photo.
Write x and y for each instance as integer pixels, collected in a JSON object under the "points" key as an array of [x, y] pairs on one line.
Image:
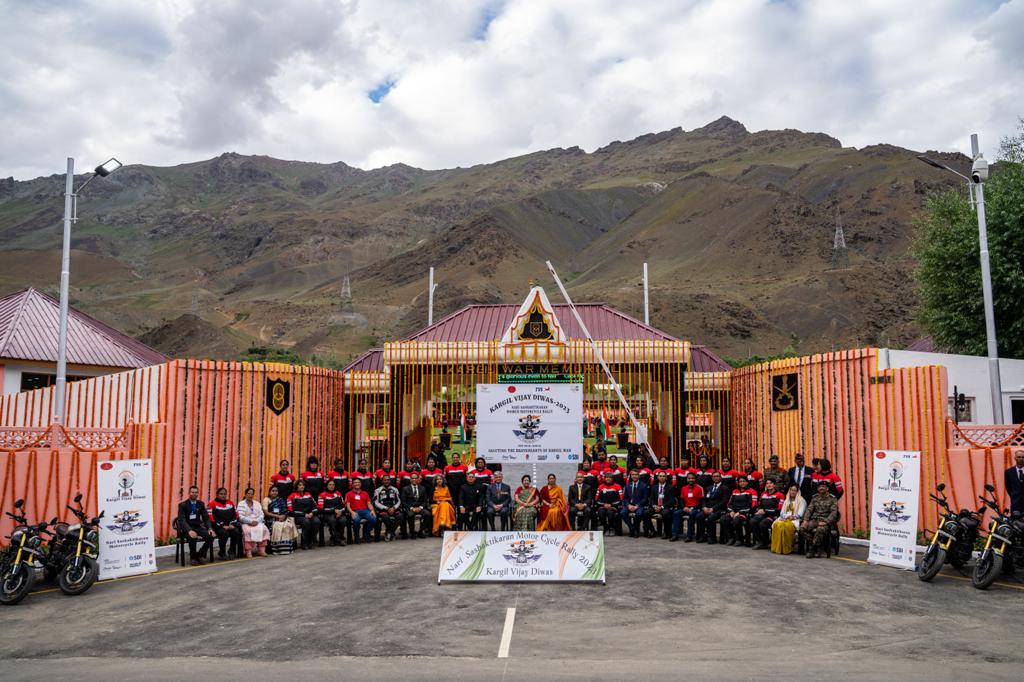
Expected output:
{"points": [[207, 258]]}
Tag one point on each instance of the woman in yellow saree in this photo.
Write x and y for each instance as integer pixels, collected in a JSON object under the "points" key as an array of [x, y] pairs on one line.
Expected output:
{"points": [[554, 509], [444, 512]]}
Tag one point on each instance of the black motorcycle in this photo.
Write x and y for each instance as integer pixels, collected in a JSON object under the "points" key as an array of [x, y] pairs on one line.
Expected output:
{"points": [[952, 541], [74, 551], [22, 561], [1004, 549]]}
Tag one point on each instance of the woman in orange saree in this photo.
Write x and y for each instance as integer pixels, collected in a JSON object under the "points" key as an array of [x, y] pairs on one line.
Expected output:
{"points": [[444, 512], [554, 511]]}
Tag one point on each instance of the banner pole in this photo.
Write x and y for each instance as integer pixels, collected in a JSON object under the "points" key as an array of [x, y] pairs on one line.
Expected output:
{"points": [[641, 434]]}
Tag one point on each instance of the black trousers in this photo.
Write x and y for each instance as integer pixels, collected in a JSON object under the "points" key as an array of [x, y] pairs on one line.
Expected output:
{"points": [[204, 537], [309, 529], [609, 519], [388, 522], [503, 517], [735, 527], [225, 533], [658, 523], [471, 519], [707, 525], [426, 522], [579, 519], [761, 527], [340, 526]]}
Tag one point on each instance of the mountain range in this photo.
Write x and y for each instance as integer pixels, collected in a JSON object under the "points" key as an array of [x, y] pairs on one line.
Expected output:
{"points": [[209, 258]]}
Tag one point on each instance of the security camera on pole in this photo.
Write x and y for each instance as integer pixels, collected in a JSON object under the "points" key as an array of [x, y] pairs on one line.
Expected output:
{"points": [[976, 183]]}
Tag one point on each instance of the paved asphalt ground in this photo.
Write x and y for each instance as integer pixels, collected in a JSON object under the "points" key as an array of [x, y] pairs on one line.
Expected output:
{"points": [[669, 610]]}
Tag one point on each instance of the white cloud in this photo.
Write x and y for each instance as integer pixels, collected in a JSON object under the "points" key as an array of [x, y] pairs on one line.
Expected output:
{"points": [[170, 81]]}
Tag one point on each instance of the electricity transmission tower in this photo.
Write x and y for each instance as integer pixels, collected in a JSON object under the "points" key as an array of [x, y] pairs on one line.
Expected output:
{"points": [[840, 257], [346, 295]]}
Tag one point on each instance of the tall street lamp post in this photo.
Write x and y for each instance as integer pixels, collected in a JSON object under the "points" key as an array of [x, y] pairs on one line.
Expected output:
{"points": [[70, 216], [976, 184]]}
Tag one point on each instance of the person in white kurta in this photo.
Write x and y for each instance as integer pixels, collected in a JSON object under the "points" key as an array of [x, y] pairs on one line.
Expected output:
{"points": [[254, 531]]}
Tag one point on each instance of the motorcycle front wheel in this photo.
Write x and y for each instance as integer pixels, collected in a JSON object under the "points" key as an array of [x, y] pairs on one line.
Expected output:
{"points": [[74, 581], [988, 568], [931, 563], [13, 588]]}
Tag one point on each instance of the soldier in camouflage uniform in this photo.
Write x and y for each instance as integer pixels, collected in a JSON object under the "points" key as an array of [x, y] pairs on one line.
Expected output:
{"points": [[776, 474], [822, 512]]}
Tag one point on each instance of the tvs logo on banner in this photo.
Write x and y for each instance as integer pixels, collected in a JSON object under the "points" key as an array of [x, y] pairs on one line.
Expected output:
{"points": [[278, 395], [785, 393]]}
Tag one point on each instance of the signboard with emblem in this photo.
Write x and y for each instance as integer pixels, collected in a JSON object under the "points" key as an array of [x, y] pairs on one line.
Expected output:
{"points": [[895, 487], [124, 489], [279, 395], [785, 392], [529, 422], [522, 556]]}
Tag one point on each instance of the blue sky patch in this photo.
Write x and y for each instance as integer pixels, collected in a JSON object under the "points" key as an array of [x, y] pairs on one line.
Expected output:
{"points": [[382, 89]]}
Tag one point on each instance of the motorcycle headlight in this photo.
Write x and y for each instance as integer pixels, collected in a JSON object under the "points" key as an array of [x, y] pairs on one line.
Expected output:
{"points": [[92, 536], [951, 527], [34, 541]]}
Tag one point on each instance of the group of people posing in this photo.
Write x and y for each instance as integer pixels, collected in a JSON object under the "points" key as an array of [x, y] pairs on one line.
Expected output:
{"points": [[717, 505], [713, 505]]}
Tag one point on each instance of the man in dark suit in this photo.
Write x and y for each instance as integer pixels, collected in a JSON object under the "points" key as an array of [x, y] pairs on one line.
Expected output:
{"points": [[1014, 480], [661, 505], [634, 500], [499, 501], [712, 507], [194, 522], [801, 476], [472, 500], [581, 503], [416, 505]]}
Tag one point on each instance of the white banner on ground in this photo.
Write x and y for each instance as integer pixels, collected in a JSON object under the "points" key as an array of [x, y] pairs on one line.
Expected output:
{"points": [[520, 556], [529, 423], [894, 507], [125, 494]]}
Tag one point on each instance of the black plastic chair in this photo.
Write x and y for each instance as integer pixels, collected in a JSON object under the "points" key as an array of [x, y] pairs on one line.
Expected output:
{"points": [[181, 545]]}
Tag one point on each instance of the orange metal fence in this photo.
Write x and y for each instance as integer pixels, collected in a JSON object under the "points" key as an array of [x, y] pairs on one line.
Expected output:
{"points": [[845, 408], [207, 424]]}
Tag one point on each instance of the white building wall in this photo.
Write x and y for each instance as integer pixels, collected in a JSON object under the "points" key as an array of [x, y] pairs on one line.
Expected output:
{"points": [[969, 374], [14, 368]]}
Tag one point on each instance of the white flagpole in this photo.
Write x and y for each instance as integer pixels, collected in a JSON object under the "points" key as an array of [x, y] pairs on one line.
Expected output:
{"points": [[641, 432]]}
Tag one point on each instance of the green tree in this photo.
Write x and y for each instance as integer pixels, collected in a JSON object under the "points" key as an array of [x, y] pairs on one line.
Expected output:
{"points": [[949, 266]]}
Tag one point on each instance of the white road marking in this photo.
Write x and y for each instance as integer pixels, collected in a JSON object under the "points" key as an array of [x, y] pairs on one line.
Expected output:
{"points": [[506, 634]]}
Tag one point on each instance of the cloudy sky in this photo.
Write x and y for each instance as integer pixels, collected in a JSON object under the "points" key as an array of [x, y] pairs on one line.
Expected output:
{"points": [[452, 83]]}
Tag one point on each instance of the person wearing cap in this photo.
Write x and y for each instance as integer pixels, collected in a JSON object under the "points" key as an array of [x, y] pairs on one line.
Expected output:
{"points": [[609, 502], [741, 505], [776, 474], [767, 510], [821, 514]]}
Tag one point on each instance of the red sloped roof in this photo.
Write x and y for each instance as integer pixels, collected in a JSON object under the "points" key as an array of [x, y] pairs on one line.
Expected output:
{"points": [[29, 322], [370, 361], [489, 322], [703, 360]]}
